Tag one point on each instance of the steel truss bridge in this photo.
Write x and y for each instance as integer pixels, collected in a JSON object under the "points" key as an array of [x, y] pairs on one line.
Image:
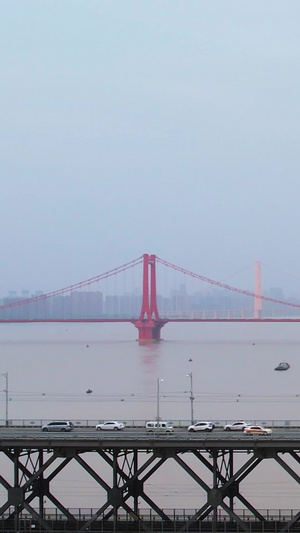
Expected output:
{"points": [[150, 320], [36, 462]]}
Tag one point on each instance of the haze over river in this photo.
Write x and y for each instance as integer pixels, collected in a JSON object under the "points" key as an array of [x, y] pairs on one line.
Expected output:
{"points": [[51, 366]]}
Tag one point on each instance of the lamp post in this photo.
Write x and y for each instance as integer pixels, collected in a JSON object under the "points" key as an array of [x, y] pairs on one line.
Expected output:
{"points": [[157, 400], [190, 375], [5, 375]]}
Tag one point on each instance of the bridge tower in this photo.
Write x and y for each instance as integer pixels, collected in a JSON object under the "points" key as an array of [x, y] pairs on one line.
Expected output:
{"points": [[149, 323]]}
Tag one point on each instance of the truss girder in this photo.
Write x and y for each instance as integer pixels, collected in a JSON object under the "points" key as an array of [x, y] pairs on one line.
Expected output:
{"points": [[214, 474], [133, 481], [291, 522], [296, 477], [197, 516], [288, 469]]}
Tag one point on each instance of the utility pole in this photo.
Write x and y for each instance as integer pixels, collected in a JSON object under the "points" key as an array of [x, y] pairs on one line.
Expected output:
{"points": [[157, 401], [5, 375], [190, 375]]}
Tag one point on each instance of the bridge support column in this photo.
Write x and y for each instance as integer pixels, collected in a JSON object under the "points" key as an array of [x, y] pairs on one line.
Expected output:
{"points": [[149, 323]]}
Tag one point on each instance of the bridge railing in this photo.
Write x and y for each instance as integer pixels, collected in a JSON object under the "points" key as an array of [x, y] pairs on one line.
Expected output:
{"points": [[148, 515]]}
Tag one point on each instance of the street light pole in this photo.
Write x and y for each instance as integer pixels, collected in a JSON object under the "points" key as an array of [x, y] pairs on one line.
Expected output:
{"points": [[157, 400], [190, 375], [5, 375]]}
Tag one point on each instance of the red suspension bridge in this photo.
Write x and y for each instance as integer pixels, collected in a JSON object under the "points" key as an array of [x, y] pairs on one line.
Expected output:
{"points": [[150, 311]]}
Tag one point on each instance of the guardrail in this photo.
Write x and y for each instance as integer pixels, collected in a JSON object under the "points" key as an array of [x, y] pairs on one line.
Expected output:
{"points": [[91, 423], [150, 515]]}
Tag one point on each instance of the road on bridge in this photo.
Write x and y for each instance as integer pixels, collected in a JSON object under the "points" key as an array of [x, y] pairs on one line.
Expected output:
{"points": [[140, 433]]}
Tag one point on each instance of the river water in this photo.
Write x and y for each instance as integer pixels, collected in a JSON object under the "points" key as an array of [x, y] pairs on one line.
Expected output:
{"points": [[51, 366]]}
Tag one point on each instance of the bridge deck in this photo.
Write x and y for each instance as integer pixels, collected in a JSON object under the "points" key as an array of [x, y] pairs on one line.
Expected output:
{"points": [[37, 440]]}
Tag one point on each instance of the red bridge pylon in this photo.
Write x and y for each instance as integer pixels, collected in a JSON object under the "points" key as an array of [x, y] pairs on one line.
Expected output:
{"points": [[149, 323]]}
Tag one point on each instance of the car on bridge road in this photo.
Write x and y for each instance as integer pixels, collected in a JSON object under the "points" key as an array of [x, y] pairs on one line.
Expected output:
{"points": [[160, 427], [110, 425], [257, 430], [201, 426], [58, 425], [236, 426]]}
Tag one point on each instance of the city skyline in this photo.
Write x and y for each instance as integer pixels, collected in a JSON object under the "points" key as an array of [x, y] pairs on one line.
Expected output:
{"points": [[179, 303]]}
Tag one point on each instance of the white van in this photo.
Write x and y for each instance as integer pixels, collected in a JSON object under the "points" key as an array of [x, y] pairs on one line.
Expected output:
{"points": [[162, 427]]}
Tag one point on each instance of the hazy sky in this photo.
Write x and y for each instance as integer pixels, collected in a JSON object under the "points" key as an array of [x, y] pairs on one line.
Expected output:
{"points": [[131, 127]]}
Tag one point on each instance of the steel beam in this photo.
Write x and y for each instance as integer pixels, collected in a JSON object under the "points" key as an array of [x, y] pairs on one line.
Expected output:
{"points": [[34, 468]]}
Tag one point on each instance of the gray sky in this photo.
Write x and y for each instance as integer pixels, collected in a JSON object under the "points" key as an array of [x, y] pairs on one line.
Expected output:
{"points": [[131, 127]]}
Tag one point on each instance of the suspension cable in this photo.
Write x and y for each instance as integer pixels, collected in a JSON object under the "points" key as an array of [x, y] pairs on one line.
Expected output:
{"points": [[75, 286], [225, 286]]}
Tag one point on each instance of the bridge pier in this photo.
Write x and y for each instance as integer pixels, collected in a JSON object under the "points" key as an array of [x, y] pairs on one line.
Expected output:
{"points": [[149, 330]]}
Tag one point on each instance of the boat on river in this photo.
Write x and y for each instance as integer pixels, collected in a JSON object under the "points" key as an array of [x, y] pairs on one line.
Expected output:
{"points": [[282, 366]]}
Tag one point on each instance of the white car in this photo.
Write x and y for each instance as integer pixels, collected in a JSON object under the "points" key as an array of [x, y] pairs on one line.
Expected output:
{"points": [[201, 426], [236, 426], [110, 425]]}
